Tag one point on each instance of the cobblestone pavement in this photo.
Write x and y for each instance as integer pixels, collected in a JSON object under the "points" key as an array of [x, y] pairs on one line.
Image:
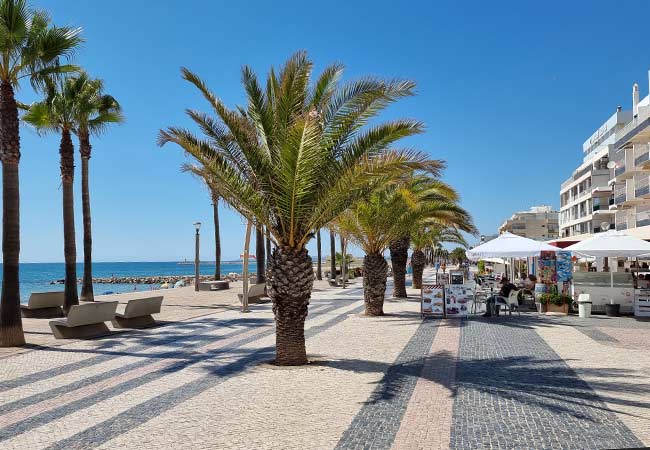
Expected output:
{"points": [[523, 382]]}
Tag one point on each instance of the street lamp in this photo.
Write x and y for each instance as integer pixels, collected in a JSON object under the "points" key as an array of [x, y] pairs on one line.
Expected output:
{"points": [[197, 226]]}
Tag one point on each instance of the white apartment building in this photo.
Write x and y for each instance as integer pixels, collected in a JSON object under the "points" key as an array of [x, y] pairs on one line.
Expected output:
{"points": [[540, 223], [630, 177], [585, 195]]}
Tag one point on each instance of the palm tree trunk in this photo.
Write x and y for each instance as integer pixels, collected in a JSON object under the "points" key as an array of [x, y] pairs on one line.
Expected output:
{"points": [[66, 151], [217, 237], [398, 257], [260, 256], [343, 262], [319, 269], [291, 278], [268, 243], [417, 262], [87, 293], [332, 256], [375, 271], [11, 325]]}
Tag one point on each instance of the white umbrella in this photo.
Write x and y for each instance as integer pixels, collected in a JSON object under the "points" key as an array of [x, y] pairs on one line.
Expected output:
{"points": [[509, 245], [611, 243]]}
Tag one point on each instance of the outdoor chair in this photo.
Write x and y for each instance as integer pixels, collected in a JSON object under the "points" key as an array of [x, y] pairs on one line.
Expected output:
{"points": [[511, 303], [84, 321], [255, 293], [138, 313], [45, 305]]}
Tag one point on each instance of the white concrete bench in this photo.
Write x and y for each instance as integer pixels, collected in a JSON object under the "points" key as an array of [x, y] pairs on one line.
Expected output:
{"points": [[84, 321], [138, 313], [255, 293], [44, 305], [217, 285]]}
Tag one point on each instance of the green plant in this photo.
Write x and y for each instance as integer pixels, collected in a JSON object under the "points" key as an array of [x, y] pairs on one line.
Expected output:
{"points": [[481, 267], [297, 155], [545, 298]]}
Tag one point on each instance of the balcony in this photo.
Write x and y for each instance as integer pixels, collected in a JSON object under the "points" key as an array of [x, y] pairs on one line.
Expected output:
{"points": [[620, 170], [636, 131], [621, 226], [642, 187], [643, 158]]}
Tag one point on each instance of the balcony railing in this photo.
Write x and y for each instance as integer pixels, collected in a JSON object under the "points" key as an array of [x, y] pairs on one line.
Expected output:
{"points": [[633, 123], [645, 156], [619, 170], [642, 186], [596, 208], [621, 226]]}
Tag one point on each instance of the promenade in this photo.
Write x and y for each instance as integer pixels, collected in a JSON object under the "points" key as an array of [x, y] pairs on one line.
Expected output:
{"points": [[398, 382]]}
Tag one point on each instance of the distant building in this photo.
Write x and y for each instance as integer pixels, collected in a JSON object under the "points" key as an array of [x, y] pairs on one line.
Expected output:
{"points": [[584, 197], [539, 223]]}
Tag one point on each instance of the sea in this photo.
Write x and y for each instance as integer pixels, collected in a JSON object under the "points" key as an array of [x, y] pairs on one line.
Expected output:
{"points": [[38, 277]]}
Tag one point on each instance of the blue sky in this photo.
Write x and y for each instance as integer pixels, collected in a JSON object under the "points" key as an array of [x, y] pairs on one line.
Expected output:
{"points": [[508, 90]]}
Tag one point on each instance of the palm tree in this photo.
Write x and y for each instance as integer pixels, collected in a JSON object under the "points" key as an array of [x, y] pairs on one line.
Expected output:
{"points": [[94, 111], [388, 214], [332, 255], [30, 47], [293, 160], [58, 113], [319, 270], [260, 257], [213, 188], [436, 190], [427, 237], [217, 234]]}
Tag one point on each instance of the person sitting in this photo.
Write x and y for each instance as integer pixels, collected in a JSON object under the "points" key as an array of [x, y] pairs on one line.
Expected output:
{"points": [[506, 288]]}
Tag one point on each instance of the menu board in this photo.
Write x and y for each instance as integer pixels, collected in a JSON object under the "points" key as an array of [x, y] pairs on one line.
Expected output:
{"points": [[458, 298], [433, 299]]}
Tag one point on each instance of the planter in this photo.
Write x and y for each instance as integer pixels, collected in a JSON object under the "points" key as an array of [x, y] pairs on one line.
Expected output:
{"points": [[541, 308], [551, 307], [613, 310]]}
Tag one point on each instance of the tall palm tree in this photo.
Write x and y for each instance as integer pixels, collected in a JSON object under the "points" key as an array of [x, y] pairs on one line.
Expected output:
{"points": [[332, 255], [30, 47], [204, 175], [94, 111], [260, 254], [319, 269], [58, 113], [427, 237], [293, 160]]}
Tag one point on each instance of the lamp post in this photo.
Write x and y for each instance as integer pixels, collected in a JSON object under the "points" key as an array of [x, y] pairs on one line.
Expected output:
{"points": [[197, 226]]}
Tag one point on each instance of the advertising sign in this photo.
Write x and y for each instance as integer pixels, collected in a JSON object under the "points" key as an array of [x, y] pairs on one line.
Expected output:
{"points": [[458, 298], [433, 299], [564, 266]]}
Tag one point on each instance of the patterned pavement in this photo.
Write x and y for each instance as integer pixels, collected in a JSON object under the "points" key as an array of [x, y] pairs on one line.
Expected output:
{"points": [[521, 382]]}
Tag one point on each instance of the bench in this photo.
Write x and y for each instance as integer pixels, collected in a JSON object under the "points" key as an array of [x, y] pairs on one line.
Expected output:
{"points": [[218, 285], [255, 293], [336, 282], [45, 305], [138, 313], [84, 321]]}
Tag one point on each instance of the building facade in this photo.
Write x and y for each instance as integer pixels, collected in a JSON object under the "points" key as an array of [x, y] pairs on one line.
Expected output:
{"points": [[585, 195], [630, 170], [540, 223]]}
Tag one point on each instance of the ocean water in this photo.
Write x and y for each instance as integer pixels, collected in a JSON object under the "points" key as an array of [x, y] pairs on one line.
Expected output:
{"points": [[37, 277]]}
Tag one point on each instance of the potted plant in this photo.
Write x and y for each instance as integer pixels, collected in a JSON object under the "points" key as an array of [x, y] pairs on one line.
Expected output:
{"points": [[559, 303], [542, 302]]}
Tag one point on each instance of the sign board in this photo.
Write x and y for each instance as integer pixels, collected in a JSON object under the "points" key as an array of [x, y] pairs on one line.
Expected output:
{"points": [[564, 266], [457, 276], [432, 301], [458, 299]]}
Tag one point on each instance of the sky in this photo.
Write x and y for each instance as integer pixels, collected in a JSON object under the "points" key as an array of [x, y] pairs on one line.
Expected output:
{"points": [[508, 91]]}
